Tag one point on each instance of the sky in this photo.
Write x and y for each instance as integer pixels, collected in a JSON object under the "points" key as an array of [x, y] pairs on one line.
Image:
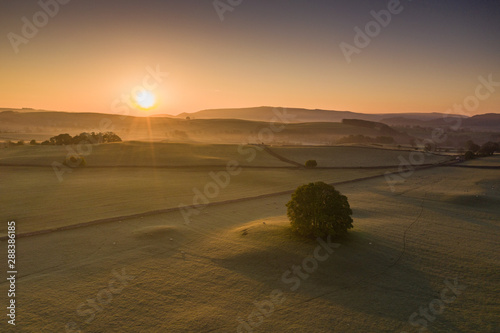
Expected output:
{"points": [[91, 56]]}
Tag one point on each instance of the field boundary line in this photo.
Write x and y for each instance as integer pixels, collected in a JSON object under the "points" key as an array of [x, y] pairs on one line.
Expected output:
{"points": [[201, 166], [280, 157], [475, 166], [215, 166]]}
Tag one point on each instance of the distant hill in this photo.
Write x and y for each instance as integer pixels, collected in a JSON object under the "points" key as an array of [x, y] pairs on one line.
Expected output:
{"points": [[43, 125], [381, 127], [403, 121], [485, 122], [490, 120], [243, 126], [265, 113]]}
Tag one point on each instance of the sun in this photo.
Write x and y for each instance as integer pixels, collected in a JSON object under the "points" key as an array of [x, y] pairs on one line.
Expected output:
{"points": [[145, 100]]}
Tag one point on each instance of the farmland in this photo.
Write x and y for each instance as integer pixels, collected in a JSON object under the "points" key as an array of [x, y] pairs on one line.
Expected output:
{"points": [[207, 275], [151, 177]]}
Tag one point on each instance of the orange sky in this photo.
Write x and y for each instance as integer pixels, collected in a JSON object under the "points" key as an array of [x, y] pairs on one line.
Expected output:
{"points": [[89, 55]]}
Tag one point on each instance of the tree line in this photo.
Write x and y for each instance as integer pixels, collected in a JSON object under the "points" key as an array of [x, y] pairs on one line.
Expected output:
{"points": [[486, 149], [93, 138], [366, 139]]}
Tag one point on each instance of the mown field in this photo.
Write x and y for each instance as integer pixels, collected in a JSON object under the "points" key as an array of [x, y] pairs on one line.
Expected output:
{"points": [[437, 229]]}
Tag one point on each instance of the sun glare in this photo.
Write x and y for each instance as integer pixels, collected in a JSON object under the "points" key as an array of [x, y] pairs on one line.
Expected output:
{"points": [[145, 100]]}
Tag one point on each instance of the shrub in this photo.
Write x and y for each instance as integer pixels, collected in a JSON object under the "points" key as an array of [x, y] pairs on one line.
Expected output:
{"points": [[311, 164], [318, 210], [469, 155], [33, 142], [75, 161]]}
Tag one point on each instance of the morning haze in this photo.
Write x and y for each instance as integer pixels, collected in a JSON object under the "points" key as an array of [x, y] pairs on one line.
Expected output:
{"points": [[250, 166]]}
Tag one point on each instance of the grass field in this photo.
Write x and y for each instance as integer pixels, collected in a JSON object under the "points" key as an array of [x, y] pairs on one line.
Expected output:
{"points": [[181, 154], [492, 161], [141, 154], [205, 276], [441, 224], [37, 198], [346, 156]]}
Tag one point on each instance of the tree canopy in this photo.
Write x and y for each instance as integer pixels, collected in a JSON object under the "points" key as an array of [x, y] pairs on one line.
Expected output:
{"points": [[92, 138], [318, 210]]}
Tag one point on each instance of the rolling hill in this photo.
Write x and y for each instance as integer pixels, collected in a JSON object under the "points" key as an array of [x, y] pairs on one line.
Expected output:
{"points": [[244, 126], [43, 125], [266, 113]]}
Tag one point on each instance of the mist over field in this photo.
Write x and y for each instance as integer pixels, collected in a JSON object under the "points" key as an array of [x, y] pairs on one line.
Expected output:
{"points": [[246, 166]]}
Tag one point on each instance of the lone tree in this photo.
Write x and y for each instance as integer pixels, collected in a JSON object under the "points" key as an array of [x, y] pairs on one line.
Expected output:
{"points": [[318, 210], [311, 164]]}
